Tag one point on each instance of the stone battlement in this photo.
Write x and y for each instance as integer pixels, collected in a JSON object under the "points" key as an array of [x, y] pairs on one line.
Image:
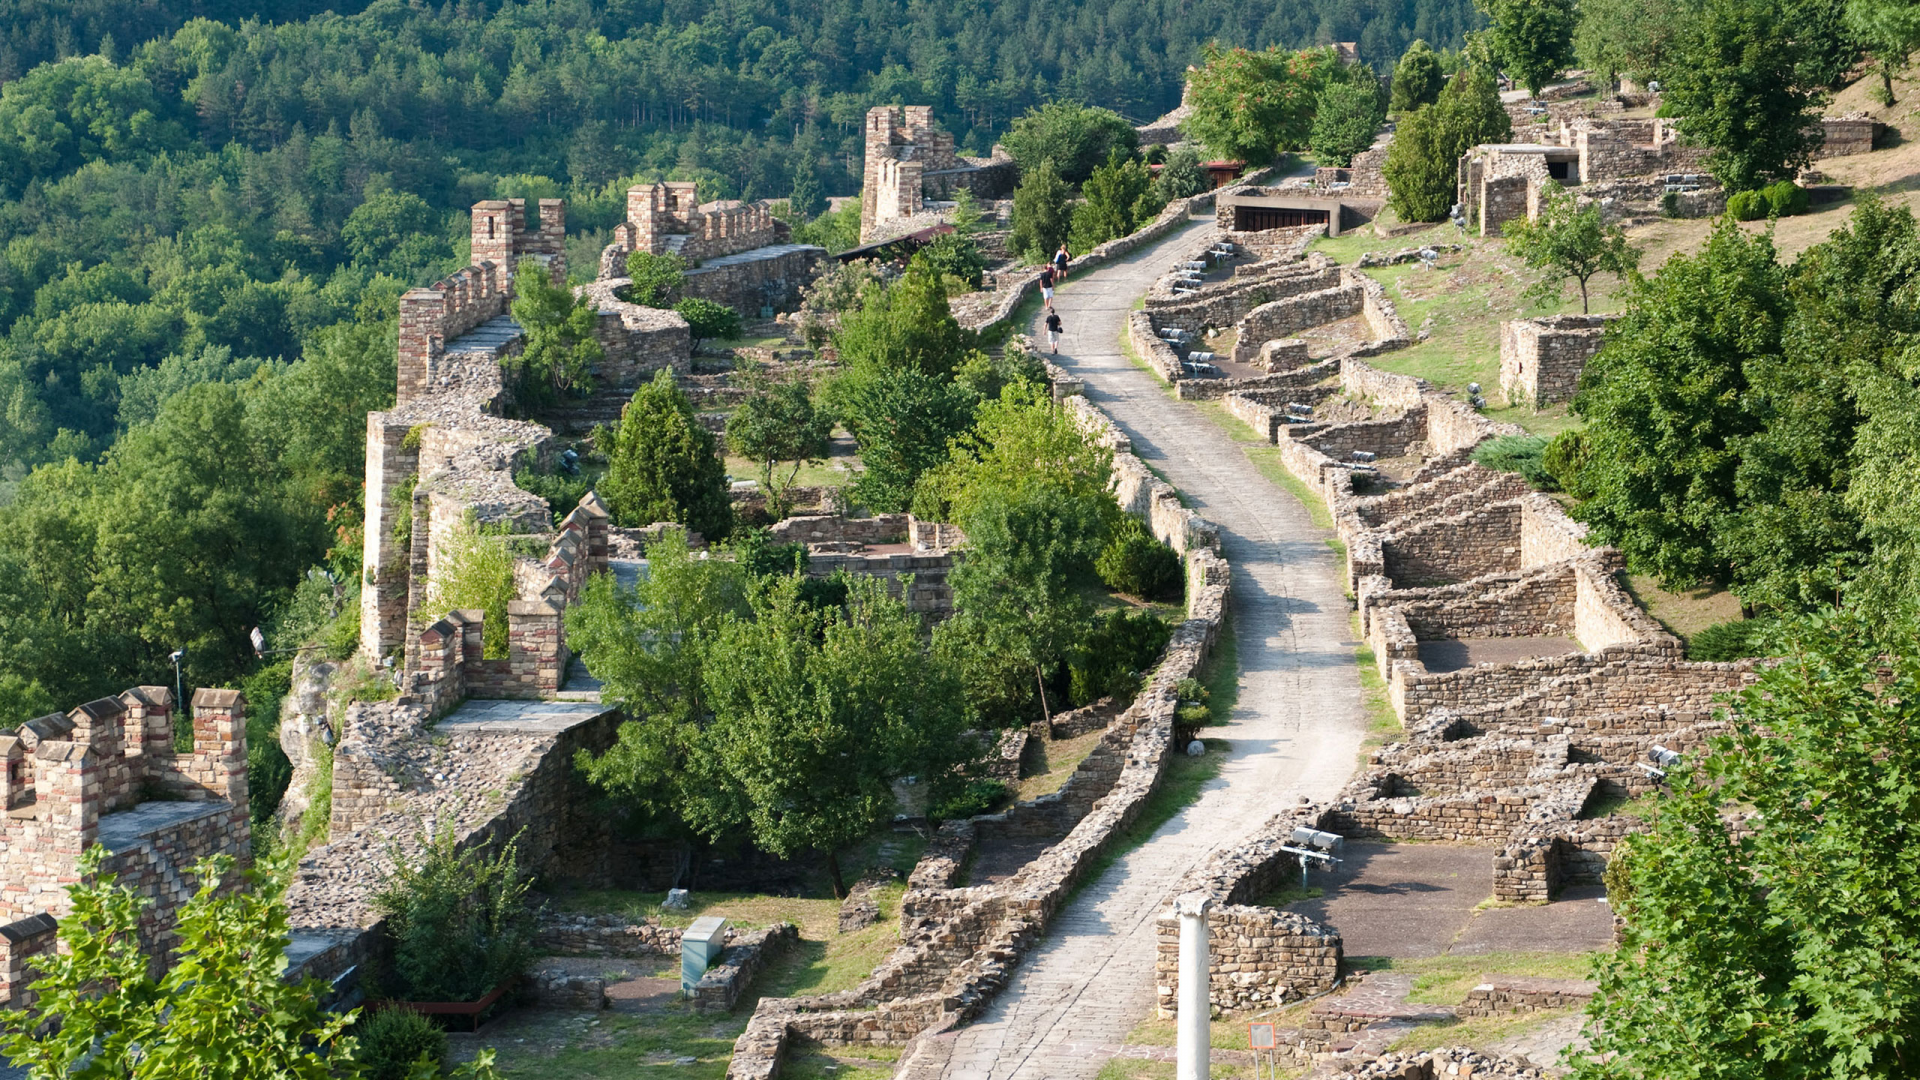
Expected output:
{"points": [[107, 773], [909, 158]]}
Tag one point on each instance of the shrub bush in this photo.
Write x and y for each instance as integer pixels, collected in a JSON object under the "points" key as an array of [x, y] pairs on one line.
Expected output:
{"points": [[1785, 198], [707, 320], [1517, 454], [458, 918], [1746, 206], [978, 797], [1118, 650], [1135, 563], [1566, 454], [1731, 640], [391, 1040]]}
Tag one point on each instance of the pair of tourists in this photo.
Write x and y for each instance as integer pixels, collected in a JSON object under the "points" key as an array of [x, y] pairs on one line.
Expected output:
{"points": [[1051, 275]]}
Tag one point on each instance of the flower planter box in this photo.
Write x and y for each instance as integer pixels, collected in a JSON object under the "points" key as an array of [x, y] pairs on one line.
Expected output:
{"points": [[470, 1009]]}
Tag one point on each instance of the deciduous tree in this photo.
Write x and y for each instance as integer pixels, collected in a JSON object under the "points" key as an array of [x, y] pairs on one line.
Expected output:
{"points": [[1533, 39], [778, 423], [1787, 946], [1042, 214], [1569, 241], [1344, 122], [1736, 87]]}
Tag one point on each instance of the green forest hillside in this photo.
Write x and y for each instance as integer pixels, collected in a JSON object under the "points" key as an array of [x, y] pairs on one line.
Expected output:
{"points": [[207, 210]]}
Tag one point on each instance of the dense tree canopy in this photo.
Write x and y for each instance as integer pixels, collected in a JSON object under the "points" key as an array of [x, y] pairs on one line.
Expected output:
{"points": [[1753, 424], [1532, 39], [1769, 916]]}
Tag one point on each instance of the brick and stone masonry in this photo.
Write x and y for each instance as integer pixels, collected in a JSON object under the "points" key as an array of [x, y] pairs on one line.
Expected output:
{"points": [[107, 773], [909, 157], [1541, 359]]}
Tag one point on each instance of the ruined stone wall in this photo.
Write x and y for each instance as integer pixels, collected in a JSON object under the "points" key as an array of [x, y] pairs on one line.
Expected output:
{"points": [[1391, 437], [830, 528], [637, 340], [106, 773], [1259, 957], [1227, 302], [929, 594], [743, 958], [391, 773], [22, 942], [1502, 199], [1845, 135], [669, 217], [1467, 545], [1541, 359], [1286, 317], [500, 236], [431, 317], [772, 277], [1540, 604]]}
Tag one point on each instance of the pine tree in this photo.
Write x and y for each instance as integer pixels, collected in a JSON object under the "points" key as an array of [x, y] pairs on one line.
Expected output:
{"points": [[663, 465]]}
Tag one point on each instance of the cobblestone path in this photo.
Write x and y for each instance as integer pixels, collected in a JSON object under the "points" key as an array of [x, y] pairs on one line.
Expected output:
{"points": [[1296, 730]]}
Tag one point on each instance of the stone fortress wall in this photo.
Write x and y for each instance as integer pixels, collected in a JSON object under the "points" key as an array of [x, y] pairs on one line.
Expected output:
{"points": [[738, 254], [910, 159], [107, 773]]}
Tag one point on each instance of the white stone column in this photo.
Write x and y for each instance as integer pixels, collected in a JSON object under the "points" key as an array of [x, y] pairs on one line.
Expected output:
{"points": [[1193, 1052]]}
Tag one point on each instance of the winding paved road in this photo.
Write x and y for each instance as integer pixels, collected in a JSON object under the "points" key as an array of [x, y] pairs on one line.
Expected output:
{"points": [[1296, 730]]}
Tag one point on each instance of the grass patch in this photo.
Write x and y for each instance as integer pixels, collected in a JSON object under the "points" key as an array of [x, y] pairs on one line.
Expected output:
{"points": [[1223, 1034], [1220, 674], [1179, 785], [1445, 980], [1608, 805], [839, 1063], [1289, 893], [1383, 724], [1058, 759], [822, 474], [533, 1045], [1478, 1031], [1686, 612], [1266, 458]]}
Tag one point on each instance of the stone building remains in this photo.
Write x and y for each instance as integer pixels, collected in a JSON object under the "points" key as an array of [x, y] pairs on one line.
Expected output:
{"points": [[910, 160], [1628, 165], [1541, 359]]}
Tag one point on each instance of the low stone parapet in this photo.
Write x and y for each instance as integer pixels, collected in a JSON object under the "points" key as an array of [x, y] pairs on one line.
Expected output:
{"points": [[1514, 995], [744, 956]]}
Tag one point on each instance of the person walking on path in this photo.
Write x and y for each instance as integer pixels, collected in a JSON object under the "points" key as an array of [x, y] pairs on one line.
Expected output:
{"points": [[1046, 285], [1053, 330], [1060, 261]]}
